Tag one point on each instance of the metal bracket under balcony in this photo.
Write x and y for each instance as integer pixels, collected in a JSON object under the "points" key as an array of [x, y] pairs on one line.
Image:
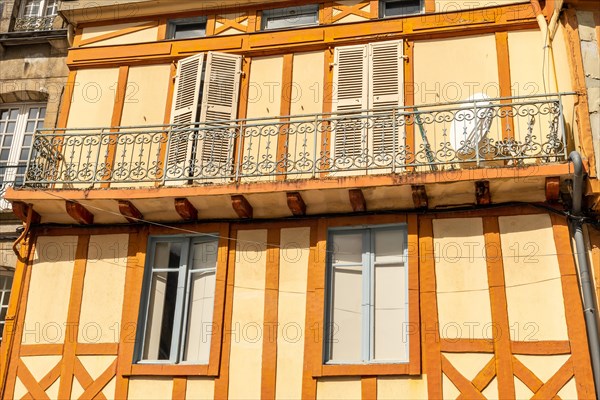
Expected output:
{"points": [[496, 133]]}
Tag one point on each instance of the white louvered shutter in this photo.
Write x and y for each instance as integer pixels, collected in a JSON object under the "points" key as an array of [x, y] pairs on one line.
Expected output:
{"points": [[184, 113], [350, 78], [386, 88], [219, 104]]}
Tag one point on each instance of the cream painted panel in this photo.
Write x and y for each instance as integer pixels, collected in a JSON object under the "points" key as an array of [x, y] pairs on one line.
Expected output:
{"points": [[110, 389], [468, 364], [264, 101], [141, 36], [248, 315], [20, 389], [200, 389], [491, 390], [96, 365], [533, 287], [402, 388], [339, 388], [454, 5], [544, 367], [52, 391], [306, 97], [103, 289], [77, 390], [39, 366], [461, 277], [95, 31], [470, 66], [449, 390], [150, 388], [146, 96], [49, 290], [293, 274], [93, 98], [569, 391], [521, 390]]}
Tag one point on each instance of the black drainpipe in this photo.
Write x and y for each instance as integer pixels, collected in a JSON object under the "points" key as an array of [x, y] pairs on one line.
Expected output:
{"points": [[587, 286]]}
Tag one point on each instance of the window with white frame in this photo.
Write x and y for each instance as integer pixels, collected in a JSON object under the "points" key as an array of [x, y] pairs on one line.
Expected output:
{"points": [[289, 17], [6, 278], [39, 8], [176, 313], [394, 8], [17, 126], [367, 296]]}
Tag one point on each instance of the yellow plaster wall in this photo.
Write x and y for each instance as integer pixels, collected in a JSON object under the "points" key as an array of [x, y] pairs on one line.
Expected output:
{"points": [[470, 66], [141, 36], [293, 273], [93, 98], [146, 96], [103, 289], [463, 297], [402, 388], [339, 388], [264, 101], [536, 308], [248, 315], [306, 98], [154, 388], [200, 389], [49, 290], [454, 5]]}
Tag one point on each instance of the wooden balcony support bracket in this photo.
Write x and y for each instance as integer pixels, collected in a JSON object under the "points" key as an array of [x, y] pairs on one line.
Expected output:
{"points": [[21, 210], [79, 213], [419, 194], [482, 193], [129, 211], [185, 209], [552, 189], [296, 204], [241, 206], [357, 200]]}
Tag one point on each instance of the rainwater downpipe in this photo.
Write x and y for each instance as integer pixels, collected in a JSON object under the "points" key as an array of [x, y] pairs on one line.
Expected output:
{"points": [[585, 279]]}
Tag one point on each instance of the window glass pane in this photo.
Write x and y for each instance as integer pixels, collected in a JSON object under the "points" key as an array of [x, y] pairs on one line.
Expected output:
{"points": [[401, 7], [4, 155], [390, 320], [14, 113], [186, 28], [290, 17], [345, 328], [347, 248], [7, 141], [10, 127], [167, 255], [161, 313], [32, 8], [389, 245], [52, 8]]}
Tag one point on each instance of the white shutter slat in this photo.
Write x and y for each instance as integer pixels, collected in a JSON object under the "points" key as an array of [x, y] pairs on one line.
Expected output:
{"points": [[386, 89], [219, 103], [185, 109], [350, 77]]}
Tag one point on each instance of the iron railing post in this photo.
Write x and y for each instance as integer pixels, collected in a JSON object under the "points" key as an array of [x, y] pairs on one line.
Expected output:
{"points": [[561, 126]]}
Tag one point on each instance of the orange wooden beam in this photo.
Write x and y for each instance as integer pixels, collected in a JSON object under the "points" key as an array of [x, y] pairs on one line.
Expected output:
{"points": [[552, 189], [419, 195], [79, 213], [357, 200], [296, 204], [185, 209], [21, 210], [482, 193], [241, 206], [129, 211]]}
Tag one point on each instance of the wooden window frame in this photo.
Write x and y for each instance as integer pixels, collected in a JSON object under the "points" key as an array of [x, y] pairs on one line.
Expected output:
{"points": [[266, 15], [187, 369], [381, 9], [172, 24], [6, 279], [315, 343]]}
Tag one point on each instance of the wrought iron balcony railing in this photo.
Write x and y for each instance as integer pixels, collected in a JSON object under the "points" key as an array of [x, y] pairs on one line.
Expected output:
{"points": [[10, 176], [31, 24], [486, 133]]}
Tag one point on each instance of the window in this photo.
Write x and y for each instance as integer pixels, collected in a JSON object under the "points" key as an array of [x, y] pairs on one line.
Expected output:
{"points": [[39, 8], [367, 77], [178, 299], [206, 93], [393, 8], [281, 18], [186, 28], [17, 125], [367, 294], [6, 278]]}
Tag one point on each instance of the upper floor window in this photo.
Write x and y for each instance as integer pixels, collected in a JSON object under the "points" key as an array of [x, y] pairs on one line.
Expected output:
{"points": [[176, 317], [6, 278], [281, 18], [393, 8], [36, 15], [17, 125], [367, 296], [184, 28]]}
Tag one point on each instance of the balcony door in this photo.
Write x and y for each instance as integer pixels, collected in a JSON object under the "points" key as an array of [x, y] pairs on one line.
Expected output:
{"points": [[205, 100], [368, 88]]}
